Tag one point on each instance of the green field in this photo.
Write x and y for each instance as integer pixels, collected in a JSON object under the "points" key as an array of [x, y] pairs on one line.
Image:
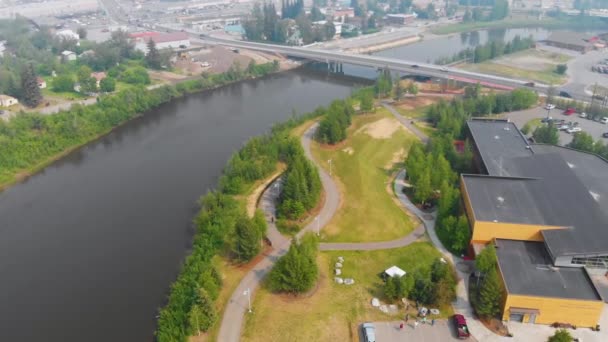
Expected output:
{"points": [[510, 23], [546, 75], [362, 166], [332, 312]]}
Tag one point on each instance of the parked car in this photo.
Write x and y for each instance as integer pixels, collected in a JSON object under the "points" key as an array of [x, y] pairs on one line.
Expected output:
{"points": [[529, 84], [549, 106], [369, 332], [462, 330], [583, 115], [415, 66], [569, 111], [574, 130], [547, 119], [564, 94], [563, 127], [605, 134], [604, 120]]}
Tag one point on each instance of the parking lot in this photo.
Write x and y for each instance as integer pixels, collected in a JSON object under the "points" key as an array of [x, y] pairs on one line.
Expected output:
{"points": [[443, 330], [595, 129]]}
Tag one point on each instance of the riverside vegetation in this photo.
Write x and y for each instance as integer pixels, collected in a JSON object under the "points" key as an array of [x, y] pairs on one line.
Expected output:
{"points": [[223, 228]]}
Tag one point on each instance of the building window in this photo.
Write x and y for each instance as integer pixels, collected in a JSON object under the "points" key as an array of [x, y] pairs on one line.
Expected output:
{"points": [[592, 262]]}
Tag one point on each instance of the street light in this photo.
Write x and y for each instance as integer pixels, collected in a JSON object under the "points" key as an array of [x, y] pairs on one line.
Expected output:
{"points": [[317, 220], [248, 294], [329, 161]]}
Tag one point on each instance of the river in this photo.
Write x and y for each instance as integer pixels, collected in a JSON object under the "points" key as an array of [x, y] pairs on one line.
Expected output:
{"points": [[90, 245]]}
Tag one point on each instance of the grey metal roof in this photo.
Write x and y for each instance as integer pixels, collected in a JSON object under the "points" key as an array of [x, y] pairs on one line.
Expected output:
{"points": [[568, 37], [498, 141], [545, 185], [527, 270]]}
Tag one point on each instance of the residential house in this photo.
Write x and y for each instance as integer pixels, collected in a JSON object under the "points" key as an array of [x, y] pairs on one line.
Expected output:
{"points": [[41, 82], [68, 56], [98, 76]]}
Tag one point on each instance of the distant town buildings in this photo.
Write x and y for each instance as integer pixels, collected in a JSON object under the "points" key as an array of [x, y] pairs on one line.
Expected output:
{"points": [[67, 56], [67, 34], [173, 40], [340, 14], [7, 101], [98, 76], [401, 19], [49, 8]]}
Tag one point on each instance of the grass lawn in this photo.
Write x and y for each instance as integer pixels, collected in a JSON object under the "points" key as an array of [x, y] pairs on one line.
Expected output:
{"points": [[67, 95], [507, 23], [362, 166], [546, 75], [333, 312]]}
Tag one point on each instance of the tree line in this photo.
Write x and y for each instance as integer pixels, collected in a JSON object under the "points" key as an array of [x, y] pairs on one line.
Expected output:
{"points": [[489, 50], [488, 293], [263, 24], [499, 10], [297, 271]]}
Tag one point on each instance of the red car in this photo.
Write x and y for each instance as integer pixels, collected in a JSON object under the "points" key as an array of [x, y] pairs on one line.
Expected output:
{"points": [[569, 111], [462, 331]]}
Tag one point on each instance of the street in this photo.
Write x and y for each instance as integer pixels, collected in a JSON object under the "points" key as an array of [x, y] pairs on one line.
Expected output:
{"points": [[443, 330]]}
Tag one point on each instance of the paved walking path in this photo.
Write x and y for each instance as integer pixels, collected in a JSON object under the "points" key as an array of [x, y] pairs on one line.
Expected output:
{"points": [[232, 321], [406, 122]]}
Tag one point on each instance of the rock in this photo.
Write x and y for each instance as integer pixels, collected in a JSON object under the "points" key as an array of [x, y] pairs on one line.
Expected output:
{"points": [[349, 281], [375, 302], [383, 308], [339, 280], [340, 259], [435, 311], [393, 309], [338, 265], [338, 271], [443, 260]]}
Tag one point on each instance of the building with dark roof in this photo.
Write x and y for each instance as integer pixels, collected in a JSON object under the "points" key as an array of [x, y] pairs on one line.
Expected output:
{"points": [[542, 203], [570, 40]]}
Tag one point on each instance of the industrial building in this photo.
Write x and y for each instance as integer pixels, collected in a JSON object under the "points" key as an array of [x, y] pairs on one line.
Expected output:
{"points": [[173, 40], [544, 208], [570, 40]]}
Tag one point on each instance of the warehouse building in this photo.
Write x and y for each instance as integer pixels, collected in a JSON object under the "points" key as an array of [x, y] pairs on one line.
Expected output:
{"points": [[544, 207], [570, 40]]}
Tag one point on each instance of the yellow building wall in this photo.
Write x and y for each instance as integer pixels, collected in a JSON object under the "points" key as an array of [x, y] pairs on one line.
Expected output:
{"points": [[581, 313], [467, 203], [484, 231]]}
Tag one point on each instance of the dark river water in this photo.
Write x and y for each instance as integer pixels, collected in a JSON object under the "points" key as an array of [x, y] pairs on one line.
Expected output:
{"points": [[89, 246]]}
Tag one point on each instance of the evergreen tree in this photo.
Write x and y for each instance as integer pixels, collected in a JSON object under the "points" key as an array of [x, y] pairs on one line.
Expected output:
{"points": [[202, 314], [246, 240], [107, 85], [153, 58], [398, 89], [367, 101], [296, 271], [546, 134], [486, 260], [423, 191], [490, 296], [390, 288], [561, 335], [29, 86]]}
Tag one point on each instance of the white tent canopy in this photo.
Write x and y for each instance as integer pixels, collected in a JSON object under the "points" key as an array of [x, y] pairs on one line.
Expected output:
{"points": [[394, 271]]}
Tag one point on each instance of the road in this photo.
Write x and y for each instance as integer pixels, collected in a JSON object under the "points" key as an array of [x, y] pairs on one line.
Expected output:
{"points": [[393, 64]]}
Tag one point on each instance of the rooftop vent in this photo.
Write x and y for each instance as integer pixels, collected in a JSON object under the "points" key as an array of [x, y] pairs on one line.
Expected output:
{"points": [[570, 165], [507, 128], [528, 147], [496, 137], [595, 195], [500, 199]]}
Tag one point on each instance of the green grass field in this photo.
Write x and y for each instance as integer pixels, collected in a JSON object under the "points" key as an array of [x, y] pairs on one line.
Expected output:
{"points": [[546, 75], [507, 23], [362, 166], [333, 312]]}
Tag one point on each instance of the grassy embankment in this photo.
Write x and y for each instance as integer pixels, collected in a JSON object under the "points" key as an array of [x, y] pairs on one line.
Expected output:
{"points": [[362, 166], [530, 64], [548, 23], [333, 312]]}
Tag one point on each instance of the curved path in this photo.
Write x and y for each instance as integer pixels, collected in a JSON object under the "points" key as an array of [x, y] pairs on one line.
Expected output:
{"points": [[232, 321]]}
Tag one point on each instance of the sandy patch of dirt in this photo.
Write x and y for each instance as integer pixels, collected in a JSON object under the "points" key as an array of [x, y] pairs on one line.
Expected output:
{"points": [[398, 157], [381, 129], [349, 150], [411, 103]]}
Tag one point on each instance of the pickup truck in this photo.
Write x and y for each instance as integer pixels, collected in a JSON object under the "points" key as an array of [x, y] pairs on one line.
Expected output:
{"points": [[462, 330]]}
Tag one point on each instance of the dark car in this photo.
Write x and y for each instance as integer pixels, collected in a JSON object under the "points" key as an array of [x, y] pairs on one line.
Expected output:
{"points": [[462, 330], [565, 94], [415, 66], [605, 135]]}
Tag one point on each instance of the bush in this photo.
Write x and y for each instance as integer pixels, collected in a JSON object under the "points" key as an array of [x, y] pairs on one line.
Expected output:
{"points": [[561, 69], [135, 75], [63, 83], [332, 128], [107, 85], [561, 335]]}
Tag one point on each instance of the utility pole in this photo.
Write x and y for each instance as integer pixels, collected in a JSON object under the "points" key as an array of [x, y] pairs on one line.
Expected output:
{"points": [[329, 161], [248, 294], [317, 220]]}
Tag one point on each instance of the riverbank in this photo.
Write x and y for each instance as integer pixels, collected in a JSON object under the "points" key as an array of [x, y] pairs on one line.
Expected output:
{"points": [[548, 23], [385, 45], [40, 140]]}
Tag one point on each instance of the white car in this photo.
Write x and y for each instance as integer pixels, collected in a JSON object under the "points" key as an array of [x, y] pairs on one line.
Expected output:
{"points": [[604, 120], [583, 115], [444, 69], [574, 130], [549, 106]]}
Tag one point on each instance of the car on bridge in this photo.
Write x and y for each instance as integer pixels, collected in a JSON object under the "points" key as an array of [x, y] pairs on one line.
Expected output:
{"points": [[444, 69]]}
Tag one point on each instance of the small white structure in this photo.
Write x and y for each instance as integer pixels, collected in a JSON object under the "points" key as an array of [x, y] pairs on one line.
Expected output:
{"points": [[349, 281], [338, 265], [68, 55], [375, 302], [339, 280], [173, 40], [340, 259], [2, 47], [394, 271], [7, 101], [338, 271]]}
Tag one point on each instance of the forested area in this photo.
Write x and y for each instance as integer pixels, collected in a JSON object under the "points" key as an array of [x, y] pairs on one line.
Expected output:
{"points": [[30, 140], [499, 10], [489, 50], [333, 126], [487, 293], [433, 170]]}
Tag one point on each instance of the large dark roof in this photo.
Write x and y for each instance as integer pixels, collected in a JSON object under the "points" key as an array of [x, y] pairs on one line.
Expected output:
{"points": [[570, 38], [527, 270], [547, 185], [497, 141]]}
